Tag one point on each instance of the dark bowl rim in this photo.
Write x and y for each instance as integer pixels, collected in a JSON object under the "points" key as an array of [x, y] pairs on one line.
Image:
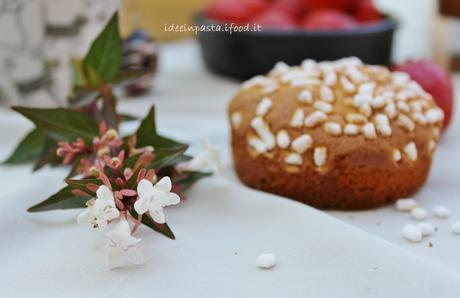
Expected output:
{"points": [[389, 23]]}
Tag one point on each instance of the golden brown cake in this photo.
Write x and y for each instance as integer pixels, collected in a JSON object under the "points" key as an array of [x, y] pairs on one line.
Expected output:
{"points": [[334, 135]]}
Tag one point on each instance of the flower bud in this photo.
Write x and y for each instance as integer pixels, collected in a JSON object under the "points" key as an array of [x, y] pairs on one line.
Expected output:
{"points": [[111, 134], [93, 171], [115, 162], [60, 152]]}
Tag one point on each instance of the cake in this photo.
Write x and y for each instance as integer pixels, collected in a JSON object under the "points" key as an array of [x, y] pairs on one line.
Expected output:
{"points": [[334, 135]]}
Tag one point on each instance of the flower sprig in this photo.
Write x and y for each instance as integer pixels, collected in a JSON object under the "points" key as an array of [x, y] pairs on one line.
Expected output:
{"points": [[123, 182]]}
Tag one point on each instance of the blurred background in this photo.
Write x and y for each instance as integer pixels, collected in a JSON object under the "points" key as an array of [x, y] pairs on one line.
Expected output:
{"points": [[38, 38]]}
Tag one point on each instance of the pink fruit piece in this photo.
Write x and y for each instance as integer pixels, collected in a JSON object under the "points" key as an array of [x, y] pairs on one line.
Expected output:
{"points": [[236, 11], [275, 19], [433, 80], [328, 19]]}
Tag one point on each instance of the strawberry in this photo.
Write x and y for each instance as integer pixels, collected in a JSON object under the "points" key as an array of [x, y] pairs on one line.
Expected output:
{"points": [[237, 11], [328, 19], [433, 80], [295, 8], [365, 11], [275, 19], [343, 5]]}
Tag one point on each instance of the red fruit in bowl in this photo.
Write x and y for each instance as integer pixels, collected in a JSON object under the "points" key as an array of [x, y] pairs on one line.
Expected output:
{"points": [[433, 80], [365, 11], [342, 5], [237, 11], [275, 19], [328, 19], [295, 8]]}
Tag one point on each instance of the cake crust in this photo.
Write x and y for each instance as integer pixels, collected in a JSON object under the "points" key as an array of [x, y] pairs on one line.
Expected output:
{"points": [[303, 133]]}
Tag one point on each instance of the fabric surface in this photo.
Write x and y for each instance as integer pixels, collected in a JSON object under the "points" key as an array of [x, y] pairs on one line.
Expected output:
{"points": [[223, 226]]}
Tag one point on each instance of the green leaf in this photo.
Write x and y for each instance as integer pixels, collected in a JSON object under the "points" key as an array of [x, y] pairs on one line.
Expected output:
{"points": [[28, 149], [81, 184], [47, 155], [130, 162], [63, 199], [73, 170], [103, 60], [147, 134], [79, 80], [160, 228], [109, 111], [61, 124], [133, 180], [189, 178], [165, 157], [127, 117]]}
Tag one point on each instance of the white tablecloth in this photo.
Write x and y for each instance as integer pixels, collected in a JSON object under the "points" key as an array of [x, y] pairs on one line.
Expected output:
{"points": [[223, 226]]}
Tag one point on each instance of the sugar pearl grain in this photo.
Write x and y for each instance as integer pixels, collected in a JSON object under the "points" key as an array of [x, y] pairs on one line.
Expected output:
{"points": [[236, 119], [320, 156], [355, 118], [258, 145], [351, 129], [419, 118], [390, 110], [382, 119], [405, 122], [426, 228], [405, 204], [266, 261], [402, 106], [412, 233], [330, 78], [326, 94], [297, 118], [263, 131], [280, 68], [323, 106], [441, 212], [361, 99], [397, 155], [456, 227], [434, 115], [294, 159], [411, 151], [400, 78], [431, 145], [302, 143], [347, 85], [315, 118], [332, 128], [282, 139], [264, 106], [367, 88], [378, 102], [369, 131], [385, 130], [305, 96], [366, 110], [418, 213]]}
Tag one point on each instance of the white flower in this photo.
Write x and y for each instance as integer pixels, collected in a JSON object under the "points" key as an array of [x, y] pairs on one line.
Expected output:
{"points": [[153, 198], [100, 210], [207, 161], [121, 246]]}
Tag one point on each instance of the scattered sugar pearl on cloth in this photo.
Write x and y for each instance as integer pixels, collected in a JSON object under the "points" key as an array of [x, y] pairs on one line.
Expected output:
{"points": [[412, 233], [266, 261], [456, 227], [426, 228], [441, 212], [405, 204], [418, 213]]}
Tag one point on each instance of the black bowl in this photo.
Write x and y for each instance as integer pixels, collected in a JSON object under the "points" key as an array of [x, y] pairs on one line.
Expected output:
{"points": [[246, 54]]}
